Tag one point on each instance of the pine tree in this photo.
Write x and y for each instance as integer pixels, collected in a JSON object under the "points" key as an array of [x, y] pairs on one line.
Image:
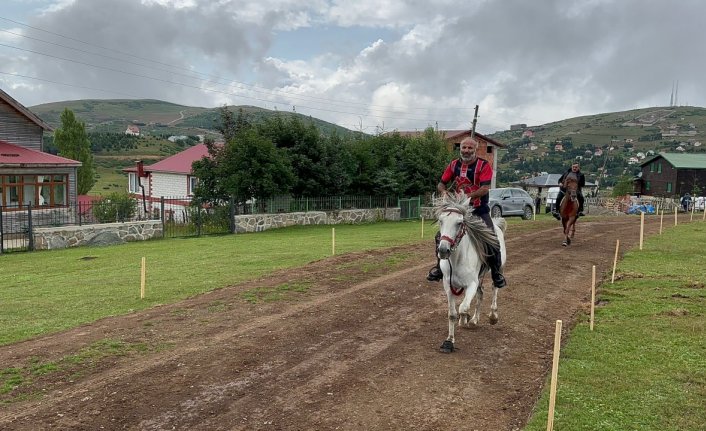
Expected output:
{"points": [[72, 142]]}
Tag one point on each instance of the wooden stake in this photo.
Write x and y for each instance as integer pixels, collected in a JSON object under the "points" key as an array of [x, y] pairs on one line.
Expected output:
{"points": [[704, 216], [693, 207], [675, 216], [642, 228], [661, 221], [143, 273], [555, 374], [593, 295], [422, 227], [333, 241], [615, 260]]}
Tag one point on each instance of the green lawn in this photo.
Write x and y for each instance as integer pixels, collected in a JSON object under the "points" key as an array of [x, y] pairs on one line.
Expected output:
{"points": [[644, 365]]}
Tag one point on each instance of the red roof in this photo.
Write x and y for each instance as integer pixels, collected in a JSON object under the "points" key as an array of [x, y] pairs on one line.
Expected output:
{"points": [[13, 155], [179, 163]]}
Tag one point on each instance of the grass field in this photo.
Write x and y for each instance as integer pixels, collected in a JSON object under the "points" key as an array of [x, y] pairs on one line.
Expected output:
{"points": [[642, 368], [644, 365]]}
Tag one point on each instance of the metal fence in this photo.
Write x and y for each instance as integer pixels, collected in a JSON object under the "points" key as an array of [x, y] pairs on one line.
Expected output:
{"points": [[180, 218]]}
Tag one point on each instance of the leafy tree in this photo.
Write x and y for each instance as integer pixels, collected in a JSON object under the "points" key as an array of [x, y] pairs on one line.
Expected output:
{"points": [[422, 161], [72, 142], [248, 166], [623, 187]]}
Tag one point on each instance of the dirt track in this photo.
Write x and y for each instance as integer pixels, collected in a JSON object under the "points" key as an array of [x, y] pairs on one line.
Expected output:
{"points": [[357, 351]]}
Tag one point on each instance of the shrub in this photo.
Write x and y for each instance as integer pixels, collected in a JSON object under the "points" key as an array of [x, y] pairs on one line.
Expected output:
{"points": [[115, 207]]}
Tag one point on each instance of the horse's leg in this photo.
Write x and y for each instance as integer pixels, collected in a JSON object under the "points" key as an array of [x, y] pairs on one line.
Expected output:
{"points": [[573, 228], [463, 309], [566, 234], [493, 316], [448, 345], [479, 301]]}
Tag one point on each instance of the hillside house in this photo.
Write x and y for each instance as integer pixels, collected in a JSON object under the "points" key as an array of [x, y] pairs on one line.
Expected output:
{"points": [[671, 175], [132, 130], [169, 178], [29, 176]]}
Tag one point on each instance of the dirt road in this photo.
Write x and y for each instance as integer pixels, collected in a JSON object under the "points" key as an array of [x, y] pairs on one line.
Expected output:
{"points": [[358, 350]]}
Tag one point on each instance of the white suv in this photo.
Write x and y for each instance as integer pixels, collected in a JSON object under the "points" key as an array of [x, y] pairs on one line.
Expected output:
{"points": [[552, 193]]}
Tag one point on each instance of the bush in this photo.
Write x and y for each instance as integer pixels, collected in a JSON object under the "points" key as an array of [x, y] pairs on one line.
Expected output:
{"points": [[115, 207]]}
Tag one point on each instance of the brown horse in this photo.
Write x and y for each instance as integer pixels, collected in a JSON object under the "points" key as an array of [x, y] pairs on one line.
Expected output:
{"points": [[569, 207]]}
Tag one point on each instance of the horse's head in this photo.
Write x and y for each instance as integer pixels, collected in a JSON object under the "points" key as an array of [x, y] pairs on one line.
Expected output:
{"points": [[571, 184], [451, 212]]}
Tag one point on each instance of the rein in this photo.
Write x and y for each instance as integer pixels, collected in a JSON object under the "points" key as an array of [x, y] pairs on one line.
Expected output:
{"points": [[454, 242]]}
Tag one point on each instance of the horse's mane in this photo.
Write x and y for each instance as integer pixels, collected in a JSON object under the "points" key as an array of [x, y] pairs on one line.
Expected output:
{"points": [[481, 237]]}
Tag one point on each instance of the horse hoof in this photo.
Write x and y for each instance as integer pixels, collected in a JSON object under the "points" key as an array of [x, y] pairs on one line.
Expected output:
{"points": [[493, 319], [564, 244], [447, 347]]}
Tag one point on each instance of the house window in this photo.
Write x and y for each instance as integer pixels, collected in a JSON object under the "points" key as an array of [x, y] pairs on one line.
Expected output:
{"points": [[647, 186], [669, 187], [652, 167], [37, 190], [659, 168], [193, 182], [133, 183]]}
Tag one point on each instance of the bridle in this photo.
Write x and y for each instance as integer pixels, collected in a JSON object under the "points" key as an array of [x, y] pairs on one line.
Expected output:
{"points": [[459, 235], [454, 242]]}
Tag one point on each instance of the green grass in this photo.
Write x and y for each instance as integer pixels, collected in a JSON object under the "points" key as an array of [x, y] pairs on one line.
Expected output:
{"points": [[50, 291], [644, 365]]}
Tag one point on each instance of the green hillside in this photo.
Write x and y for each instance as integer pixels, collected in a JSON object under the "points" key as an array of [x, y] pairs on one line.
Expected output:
{"points": [[604, 143], [158, 118]]}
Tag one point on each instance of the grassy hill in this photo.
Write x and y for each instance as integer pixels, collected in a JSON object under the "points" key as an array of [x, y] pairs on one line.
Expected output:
{"points": [[619, 135], [158, 118], [157, 121]]}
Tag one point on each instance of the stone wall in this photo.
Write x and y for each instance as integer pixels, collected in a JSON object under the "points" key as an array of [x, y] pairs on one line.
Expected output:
{"points": [[49, 238], [260, 222]]}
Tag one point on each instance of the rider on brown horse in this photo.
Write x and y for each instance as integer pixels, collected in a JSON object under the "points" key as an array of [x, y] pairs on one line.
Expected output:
{"points": [[582, 182]]}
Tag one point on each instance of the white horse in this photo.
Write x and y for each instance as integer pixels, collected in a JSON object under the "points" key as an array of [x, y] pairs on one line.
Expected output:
{"points": [[463, 250]]}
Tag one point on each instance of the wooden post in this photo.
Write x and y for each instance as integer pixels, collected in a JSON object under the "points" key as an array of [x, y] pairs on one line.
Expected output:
{"points": [[704, 216], [143, 273], [555, 374], [661, 221], [615, 260], [675, 216], [642, 228], [593, 294], [693, 207], [333, 241], [422, 227]]}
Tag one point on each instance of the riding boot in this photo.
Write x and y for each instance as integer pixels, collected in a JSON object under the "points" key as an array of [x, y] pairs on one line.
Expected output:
{"points": [[580, 214], [435, 273], [496, 272]]}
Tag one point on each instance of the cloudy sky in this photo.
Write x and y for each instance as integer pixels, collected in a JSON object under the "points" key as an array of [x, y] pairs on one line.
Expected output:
{"points": [[370, 64]]}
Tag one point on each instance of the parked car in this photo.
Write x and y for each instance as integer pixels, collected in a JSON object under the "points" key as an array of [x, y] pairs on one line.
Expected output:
{"points": [[511, 201], [552, 193]]}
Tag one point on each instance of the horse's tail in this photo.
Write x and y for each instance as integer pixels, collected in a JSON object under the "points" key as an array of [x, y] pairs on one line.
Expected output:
{"points": [[500, 223]]}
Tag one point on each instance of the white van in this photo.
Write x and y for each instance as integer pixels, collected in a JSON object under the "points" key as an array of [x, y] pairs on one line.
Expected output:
{"points": [[551, 198]]}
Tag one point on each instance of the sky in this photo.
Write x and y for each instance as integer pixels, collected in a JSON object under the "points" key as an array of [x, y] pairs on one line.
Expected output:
{"points": [[367, 65]]}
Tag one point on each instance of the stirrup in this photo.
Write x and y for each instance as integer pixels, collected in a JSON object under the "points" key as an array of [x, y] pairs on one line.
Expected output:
{"points": [[435, 274]]}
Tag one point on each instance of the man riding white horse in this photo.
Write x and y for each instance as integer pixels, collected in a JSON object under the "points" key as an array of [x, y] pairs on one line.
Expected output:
{"points": [[575, 169], [471, 175]]}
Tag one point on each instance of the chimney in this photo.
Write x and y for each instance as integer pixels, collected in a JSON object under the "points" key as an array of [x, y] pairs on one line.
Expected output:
{"points": [[140, 168]]}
